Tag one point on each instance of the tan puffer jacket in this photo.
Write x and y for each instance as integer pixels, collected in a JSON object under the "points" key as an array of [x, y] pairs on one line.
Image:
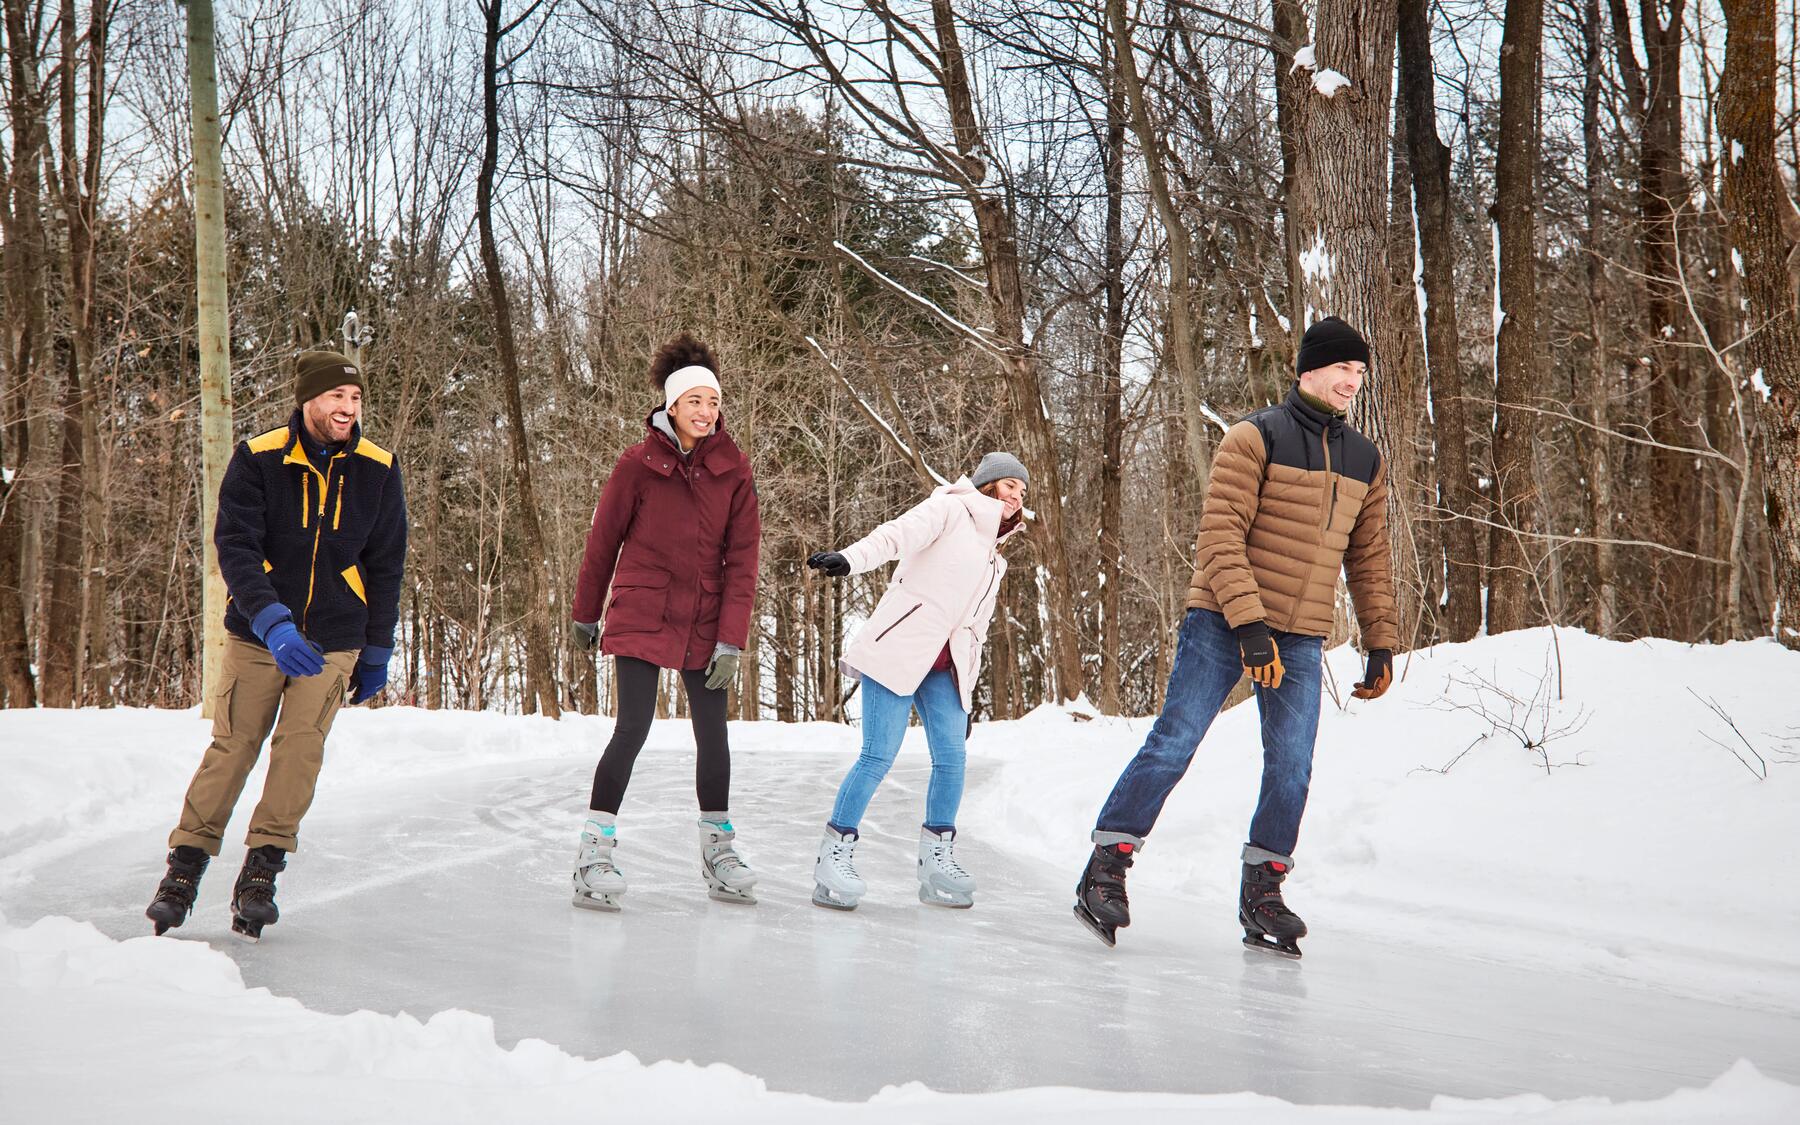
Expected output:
{"points": [[1296, 495]]}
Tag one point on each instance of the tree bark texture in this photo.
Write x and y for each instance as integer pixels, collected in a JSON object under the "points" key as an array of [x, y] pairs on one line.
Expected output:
{"points": [[214, 328], [1512, 594], [1458, 498], [1754, 199]]}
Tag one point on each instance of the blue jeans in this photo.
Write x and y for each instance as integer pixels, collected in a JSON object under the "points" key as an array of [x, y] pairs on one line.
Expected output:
{"points": [[884, 718], [1207, 666]]}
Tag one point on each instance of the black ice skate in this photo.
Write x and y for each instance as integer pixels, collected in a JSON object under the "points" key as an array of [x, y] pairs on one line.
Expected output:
{"points": [[174, 899], [253, 899], [1100, 902], [1268, 923]]}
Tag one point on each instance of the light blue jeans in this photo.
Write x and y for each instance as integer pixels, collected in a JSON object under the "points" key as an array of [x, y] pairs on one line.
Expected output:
{"points": [[884, 719]]}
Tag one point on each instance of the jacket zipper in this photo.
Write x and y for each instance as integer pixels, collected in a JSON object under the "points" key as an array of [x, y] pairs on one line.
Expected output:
{"points": [[896, 624], [312, 570]]}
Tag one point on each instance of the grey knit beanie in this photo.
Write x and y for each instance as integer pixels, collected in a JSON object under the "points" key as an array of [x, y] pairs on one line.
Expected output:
{"points": [[999, 466]]}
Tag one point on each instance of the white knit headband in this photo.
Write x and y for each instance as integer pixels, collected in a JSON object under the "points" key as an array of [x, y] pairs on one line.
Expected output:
{"points": [[686, 379]]}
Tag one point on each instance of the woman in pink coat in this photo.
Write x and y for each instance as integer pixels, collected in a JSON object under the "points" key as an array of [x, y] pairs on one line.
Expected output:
{"points": [[921, 649], [666, 582]]}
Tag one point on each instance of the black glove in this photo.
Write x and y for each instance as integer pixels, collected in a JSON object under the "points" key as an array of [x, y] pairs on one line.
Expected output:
{"points": [[1262, 659], [832, 563], [1377, 677]]}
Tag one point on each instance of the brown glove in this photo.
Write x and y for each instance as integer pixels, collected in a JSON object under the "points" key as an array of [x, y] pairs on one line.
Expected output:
{"points": [[1262, 659], [1379, 675]]}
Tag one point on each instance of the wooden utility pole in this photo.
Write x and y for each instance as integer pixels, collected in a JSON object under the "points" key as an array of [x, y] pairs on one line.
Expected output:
{"points": [[214, 325]]}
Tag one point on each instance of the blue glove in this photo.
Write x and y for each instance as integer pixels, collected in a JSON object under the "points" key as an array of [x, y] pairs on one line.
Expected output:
{"points": [[370, 675], [294, 654]]}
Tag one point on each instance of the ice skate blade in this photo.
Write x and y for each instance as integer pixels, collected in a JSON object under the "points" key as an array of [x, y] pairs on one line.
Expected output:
{"points": [[823, 897], [1096, 927], [948, 899], [250, 932], [1269, 944], [608, 904], [726, 894]]}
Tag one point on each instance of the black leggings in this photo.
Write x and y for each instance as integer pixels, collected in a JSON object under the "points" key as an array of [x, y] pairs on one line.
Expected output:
{"points": [[637, 706]]}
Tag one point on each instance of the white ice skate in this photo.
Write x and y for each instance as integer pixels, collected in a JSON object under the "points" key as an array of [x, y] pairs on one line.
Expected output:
{"points": [[728, 877], [598, 884], [837, 884], [942, 881]]}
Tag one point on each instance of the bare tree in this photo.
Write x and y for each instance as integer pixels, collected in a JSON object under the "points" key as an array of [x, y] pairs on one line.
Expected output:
{"points": [[540, 677], [1516, 347], [1755, 200], [214, 321]]}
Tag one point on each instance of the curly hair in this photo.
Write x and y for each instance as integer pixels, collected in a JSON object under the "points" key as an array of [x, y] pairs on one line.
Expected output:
{"points": [[679, 352]]}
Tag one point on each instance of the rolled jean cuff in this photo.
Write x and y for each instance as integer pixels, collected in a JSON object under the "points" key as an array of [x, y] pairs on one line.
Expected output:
{"points": [[1104, 838], [1254, 855]]}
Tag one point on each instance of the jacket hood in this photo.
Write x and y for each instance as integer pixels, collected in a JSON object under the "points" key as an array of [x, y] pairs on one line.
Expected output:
{"points": [[982, 506]]}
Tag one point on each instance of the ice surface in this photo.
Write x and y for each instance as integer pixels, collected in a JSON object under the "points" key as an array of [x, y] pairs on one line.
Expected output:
{"points": [[1491, 932]]}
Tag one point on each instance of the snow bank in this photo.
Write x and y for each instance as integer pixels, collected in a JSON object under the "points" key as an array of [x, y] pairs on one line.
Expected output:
{"points": [[152, 1028], [1605, 850]]}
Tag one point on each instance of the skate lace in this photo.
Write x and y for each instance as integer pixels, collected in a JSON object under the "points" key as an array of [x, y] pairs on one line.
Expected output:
{"points": [[1111, 888], [727, 859], [842, 861], [944, 855]]}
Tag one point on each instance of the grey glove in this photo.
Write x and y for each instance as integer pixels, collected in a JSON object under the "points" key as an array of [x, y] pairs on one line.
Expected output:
{"points": [[586, 634], [722, 672]]}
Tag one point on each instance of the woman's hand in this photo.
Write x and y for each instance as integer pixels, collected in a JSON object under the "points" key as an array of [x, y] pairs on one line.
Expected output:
{"points": [[832, 563]]}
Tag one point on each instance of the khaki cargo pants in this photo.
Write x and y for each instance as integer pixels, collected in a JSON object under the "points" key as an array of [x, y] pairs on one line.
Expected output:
{"points": [[251, 692]]}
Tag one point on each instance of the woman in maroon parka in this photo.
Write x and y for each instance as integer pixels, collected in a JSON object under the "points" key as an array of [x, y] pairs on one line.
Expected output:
{"points": [[666, 582]]}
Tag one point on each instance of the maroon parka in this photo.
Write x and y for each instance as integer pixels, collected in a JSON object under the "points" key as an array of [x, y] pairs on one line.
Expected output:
{"points": [[676, 539]]}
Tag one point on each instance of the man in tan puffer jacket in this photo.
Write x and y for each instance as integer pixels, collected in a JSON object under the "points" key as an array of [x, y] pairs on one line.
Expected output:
{"points": [[1296, 495]]}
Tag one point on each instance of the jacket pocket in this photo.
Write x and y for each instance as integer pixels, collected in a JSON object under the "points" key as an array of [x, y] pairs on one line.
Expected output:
{"points": [[899, 620], [639, 598], [221, 704], [712, 603], [353, 579]]}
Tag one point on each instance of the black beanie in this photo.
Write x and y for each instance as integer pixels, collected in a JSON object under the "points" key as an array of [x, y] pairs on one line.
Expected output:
{"points": [[1327, 342], [318, 372]]}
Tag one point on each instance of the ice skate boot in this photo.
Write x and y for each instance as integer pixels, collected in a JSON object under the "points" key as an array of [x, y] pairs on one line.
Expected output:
{"points": [[253, 898], [1100, 902], [174, 899], [836, 883], [942, 881], [728, 877], [1268, 923], [598, 885]]}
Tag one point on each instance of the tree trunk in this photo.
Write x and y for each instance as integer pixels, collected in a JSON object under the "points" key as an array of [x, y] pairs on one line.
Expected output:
{"points": [[1181, 346], [214, 327], [1290, 31], [60, 609], [1511, 594], [1112, 347], [1598, 460], [539, 678], [1430, 160], [1666, 508], [1754, 199], [1006, 298]]}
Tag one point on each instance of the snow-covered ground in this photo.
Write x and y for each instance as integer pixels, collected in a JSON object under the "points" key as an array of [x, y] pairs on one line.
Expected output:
{"points": [[1600, 930]]}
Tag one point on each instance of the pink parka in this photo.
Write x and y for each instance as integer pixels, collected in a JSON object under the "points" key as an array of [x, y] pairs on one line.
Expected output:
{"points": [[943, 590]]}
